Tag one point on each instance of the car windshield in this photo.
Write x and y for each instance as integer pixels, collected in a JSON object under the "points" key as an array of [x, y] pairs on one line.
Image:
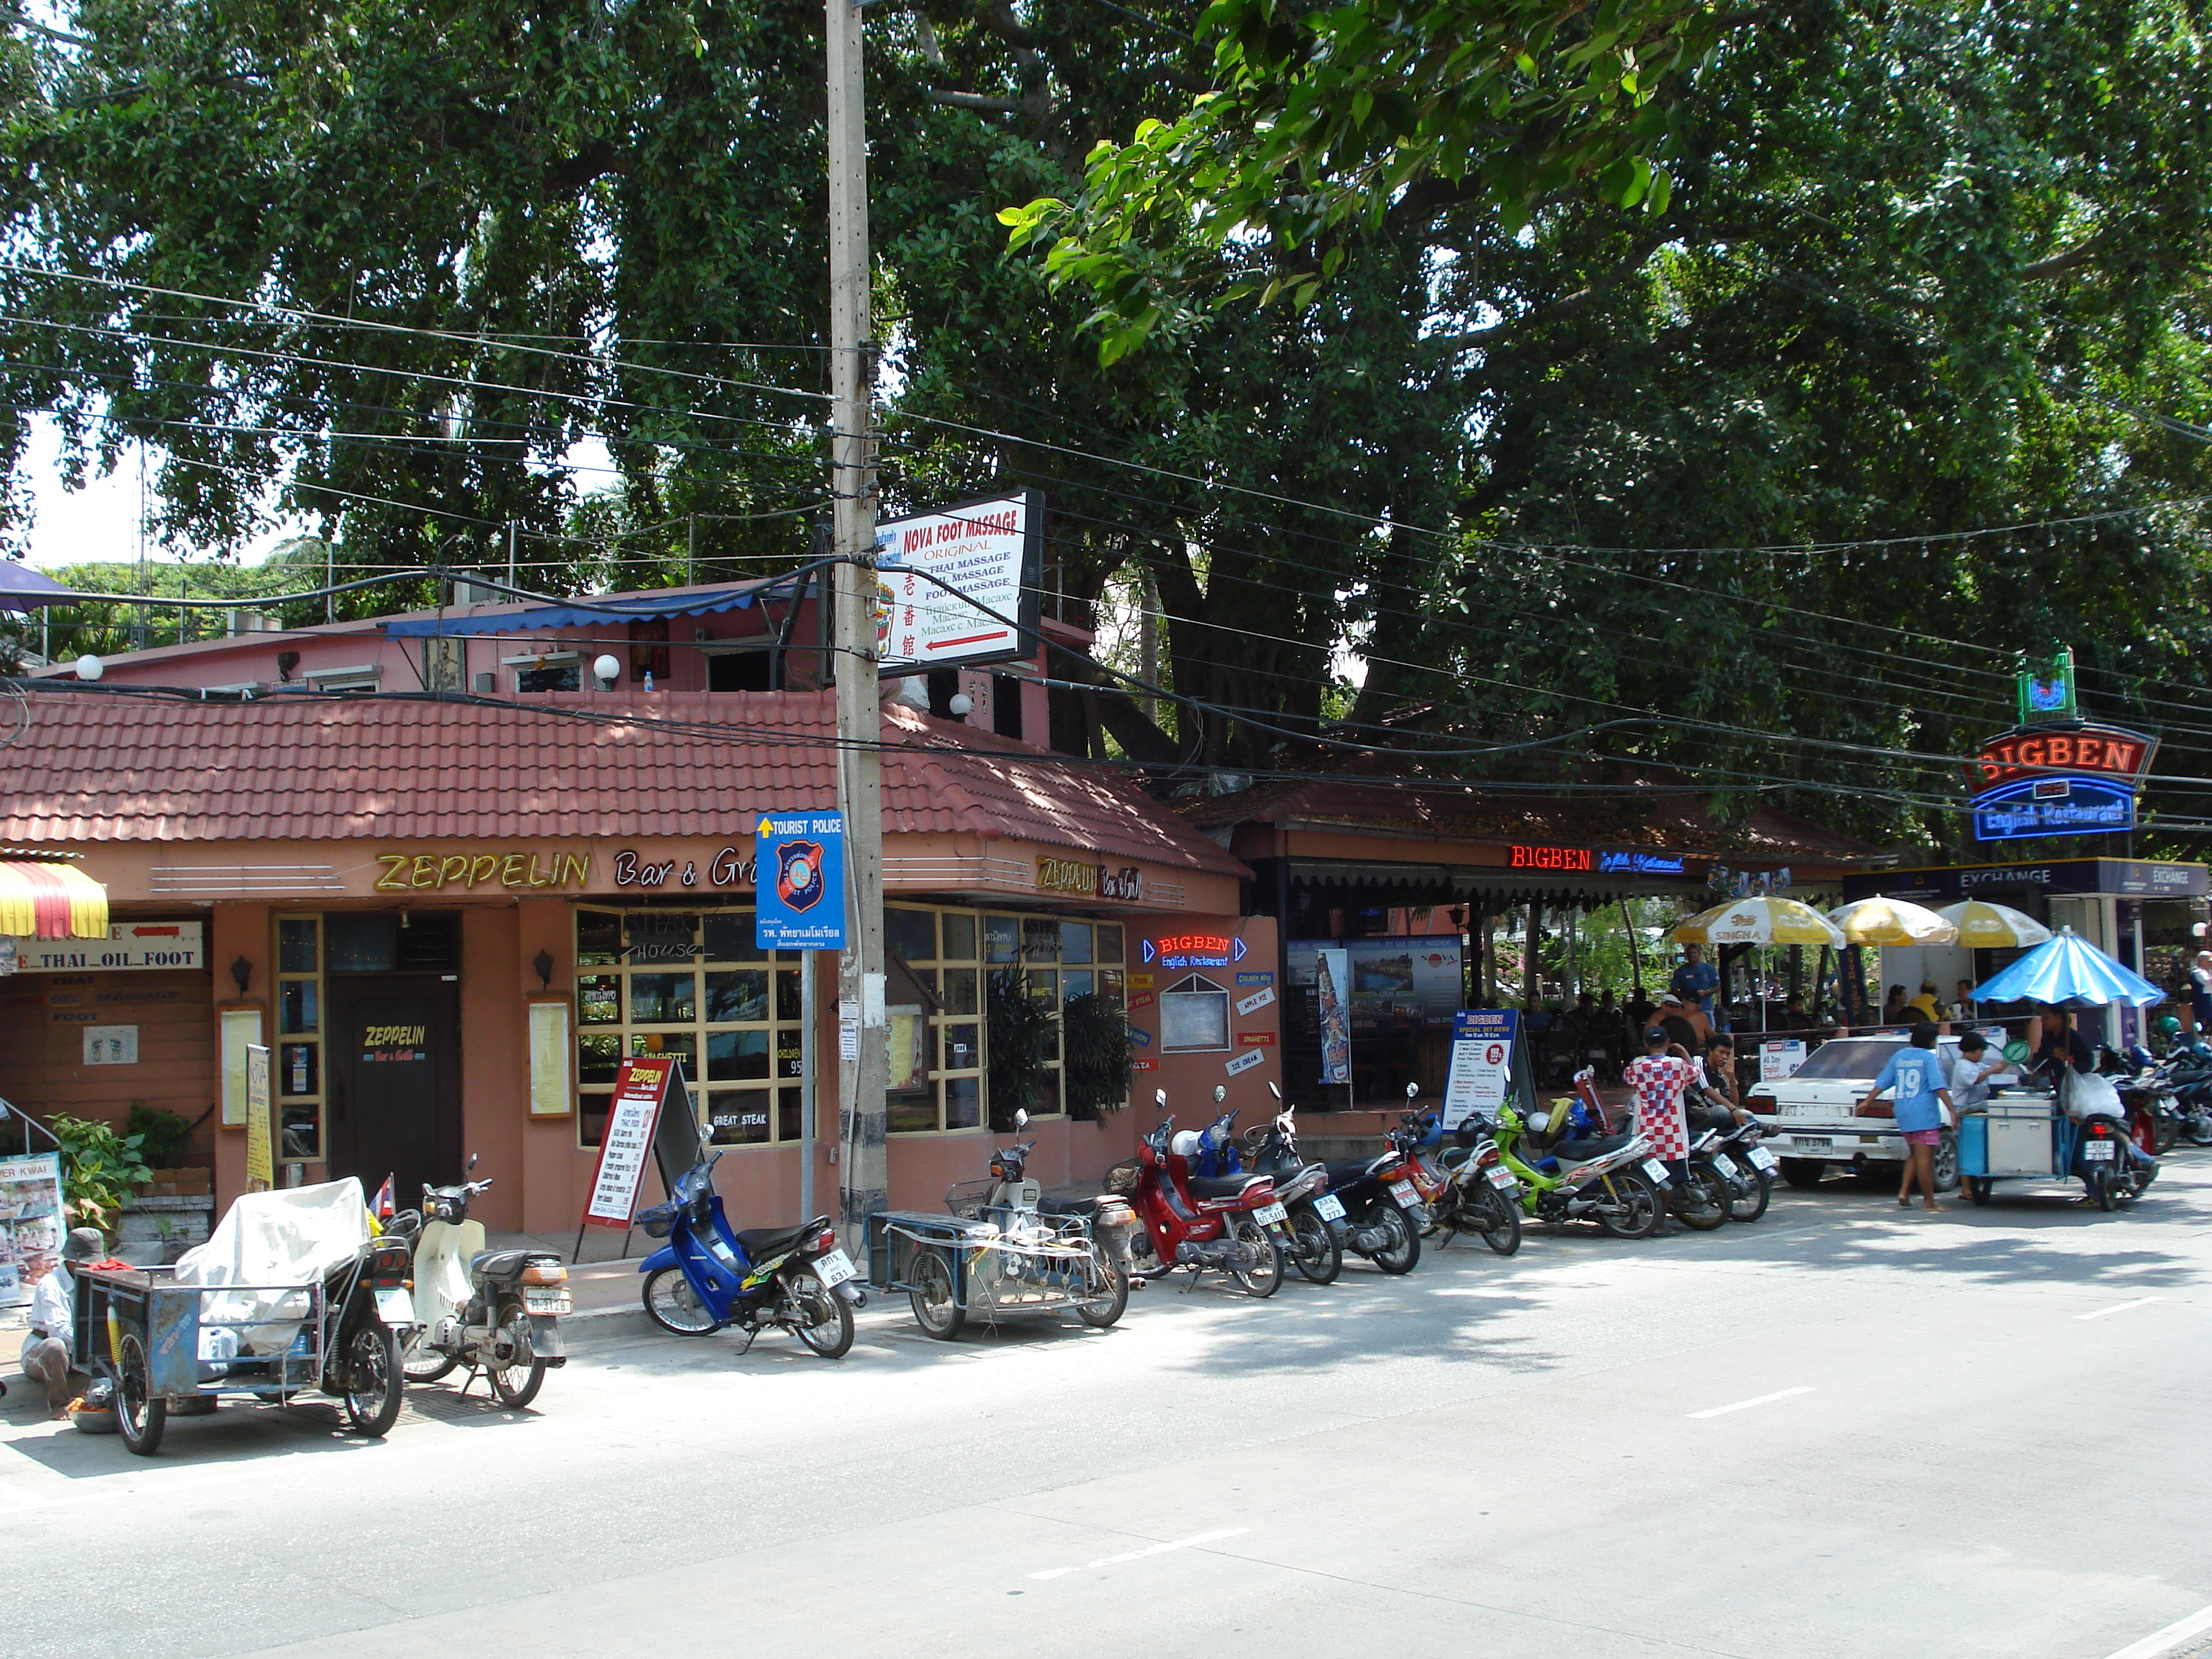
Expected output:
{"points": [[1848, 1057]]}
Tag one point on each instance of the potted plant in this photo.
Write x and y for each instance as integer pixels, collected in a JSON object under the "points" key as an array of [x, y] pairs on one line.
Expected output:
{"points": [[1021, 1031], [1096, 1059], [100, 1169]]}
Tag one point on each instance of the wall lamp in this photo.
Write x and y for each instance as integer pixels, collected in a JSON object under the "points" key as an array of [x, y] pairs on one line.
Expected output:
{"points": [[544, 963], [241, 972]]}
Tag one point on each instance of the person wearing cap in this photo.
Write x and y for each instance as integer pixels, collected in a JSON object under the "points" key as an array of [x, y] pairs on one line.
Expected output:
{"points": [[45, 1357], [1686, 1023], [1659, 1078]]}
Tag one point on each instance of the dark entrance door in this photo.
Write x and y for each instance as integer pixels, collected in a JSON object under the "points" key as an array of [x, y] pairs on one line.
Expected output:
{"points": [[395, 1074]]}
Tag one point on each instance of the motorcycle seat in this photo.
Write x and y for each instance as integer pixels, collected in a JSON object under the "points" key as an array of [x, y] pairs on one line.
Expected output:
{"points": [[1343, 1175], [499, 1264], [761, 1242], [1582, 1152], [1220, 1185]]}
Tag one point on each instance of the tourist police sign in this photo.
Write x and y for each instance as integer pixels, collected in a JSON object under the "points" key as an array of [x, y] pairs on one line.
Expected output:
{"points": [[801, 889]]}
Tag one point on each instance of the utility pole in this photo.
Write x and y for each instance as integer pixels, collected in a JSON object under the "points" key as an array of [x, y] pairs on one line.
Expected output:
{"points": [[863, 1067]]}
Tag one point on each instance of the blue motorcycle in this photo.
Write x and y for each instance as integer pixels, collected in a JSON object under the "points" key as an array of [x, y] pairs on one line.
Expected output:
{"points": [[707, 1277]]}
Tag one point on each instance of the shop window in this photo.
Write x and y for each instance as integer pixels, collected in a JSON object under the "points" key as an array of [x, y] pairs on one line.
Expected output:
{"points": [[691, 984], [298, 1047], [558, 677], [1193, 1015], [360, 942], [911, 933]]}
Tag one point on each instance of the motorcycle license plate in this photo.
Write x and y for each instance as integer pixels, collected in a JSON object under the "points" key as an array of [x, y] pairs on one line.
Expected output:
{"points": [[1762, 1159], [1330, 1207], [836, 1268], [1498, 1175], [394, 1306], [1656, 1170], [547, 1302], [1271, 1215], [1404, 1193], [2098, 1151], [1725, 1165]]}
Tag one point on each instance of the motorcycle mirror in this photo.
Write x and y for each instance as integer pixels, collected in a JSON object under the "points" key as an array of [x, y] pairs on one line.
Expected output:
{"points": [[472, 1163], [1274, 1091], [1021, 1117], [1161, 1096], [1220, 1093], [1413, 1092]]}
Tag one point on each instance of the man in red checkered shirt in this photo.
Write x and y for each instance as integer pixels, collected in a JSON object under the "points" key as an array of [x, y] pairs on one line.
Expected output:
{"points": [[1660, 1078]]}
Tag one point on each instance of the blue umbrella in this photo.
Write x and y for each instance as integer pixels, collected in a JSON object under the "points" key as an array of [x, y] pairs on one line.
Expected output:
{"points": [[21, 587], [2070, 971]]}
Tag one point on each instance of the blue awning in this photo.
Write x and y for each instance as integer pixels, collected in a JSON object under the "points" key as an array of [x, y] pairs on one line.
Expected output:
{"points": [[586, 613]]}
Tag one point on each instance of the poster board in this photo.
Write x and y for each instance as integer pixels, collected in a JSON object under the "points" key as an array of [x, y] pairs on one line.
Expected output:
{"points": [[237, 1027], [32, 1224], [1488, 1067], [550, 1094], [260, 1131], [1333, 981]]}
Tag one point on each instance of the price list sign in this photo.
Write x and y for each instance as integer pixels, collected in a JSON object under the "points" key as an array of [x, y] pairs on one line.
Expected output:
{"points": [[641, 1086]]}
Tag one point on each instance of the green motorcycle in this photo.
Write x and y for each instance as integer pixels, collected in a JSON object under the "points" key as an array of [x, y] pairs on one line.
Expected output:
{"points": [[1611, 1180]]}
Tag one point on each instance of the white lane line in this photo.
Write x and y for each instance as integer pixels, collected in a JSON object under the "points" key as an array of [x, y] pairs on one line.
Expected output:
{"points": [[2171, 1637], [1138, 1555], [2122, 1307], [1746, 1404]]}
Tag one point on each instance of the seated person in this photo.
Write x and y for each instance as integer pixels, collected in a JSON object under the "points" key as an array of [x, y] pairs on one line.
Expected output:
{"points": [[1924, 1006], [46, 1358], [1896, 1010]]}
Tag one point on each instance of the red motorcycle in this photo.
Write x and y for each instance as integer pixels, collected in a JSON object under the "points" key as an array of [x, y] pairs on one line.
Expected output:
{"points": [[1199, 1222]]}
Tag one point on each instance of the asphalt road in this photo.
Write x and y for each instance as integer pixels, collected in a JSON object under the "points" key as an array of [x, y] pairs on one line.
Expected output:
{"points": [[1846, 1431]]}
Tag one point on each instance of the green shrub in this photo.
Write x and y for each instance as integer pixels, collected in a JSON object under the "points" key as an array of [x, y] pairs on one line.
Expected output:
{"points": [[99, 1170], [1097, 1058], [164, 1138]]}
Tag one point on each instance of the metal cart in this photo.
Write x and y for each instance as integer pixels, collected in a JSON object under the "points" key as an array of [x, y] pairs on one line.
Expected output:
{"points": [[2016, 1137], [162, 1346], [984, 1261]]}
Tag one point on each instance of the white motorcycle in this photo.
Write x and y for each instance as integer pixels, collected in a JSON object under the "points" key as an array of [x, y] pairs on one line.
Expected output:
{"points": [[495, 1311]]}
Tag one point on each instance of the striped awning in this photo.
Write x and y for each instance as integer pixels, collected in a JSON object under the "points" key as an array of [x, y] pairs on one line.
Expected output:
{"points": [[51, 900]]}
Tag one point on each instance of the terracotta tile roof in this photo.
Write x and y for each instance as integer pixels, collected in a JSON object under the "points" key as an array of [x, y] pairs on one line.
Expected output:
{"points": [[1666, 813], [98, 766]]}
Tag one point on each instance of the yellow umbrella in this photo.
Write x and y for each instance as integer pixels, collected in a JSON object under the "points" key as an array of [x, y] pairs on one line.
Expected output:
{"points": [[1880, 920], [1990, 926], [1758, 921]]}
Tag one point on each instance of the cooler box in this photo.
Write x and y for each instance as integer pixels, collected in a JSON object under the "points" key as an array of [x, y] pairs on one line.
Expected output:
{"points": [[2007, 1139]]}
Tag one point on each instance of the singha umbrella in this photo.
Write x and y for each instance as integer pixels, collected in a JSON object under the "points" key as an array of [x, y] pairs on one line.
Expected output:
{"points": [[1984, 926], [1767, 920], [1880, 920], [2070, 971]]}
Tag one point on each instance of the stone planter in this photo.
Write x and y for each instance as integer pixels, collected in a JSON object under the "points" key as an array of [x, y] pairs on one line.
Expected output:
{"points": [[175, 1222]]}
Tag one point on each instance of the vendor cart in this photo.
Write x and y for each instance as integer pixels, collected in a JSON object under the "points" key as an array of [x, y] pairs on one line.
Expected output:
{"points": [[999, 1249], [168, 1339]]}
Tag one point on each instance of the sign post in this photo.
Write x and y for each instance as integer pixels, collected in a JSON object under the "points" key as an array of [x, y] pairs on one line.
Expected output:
{"points": [[260, 1135], [1487, 1064]]}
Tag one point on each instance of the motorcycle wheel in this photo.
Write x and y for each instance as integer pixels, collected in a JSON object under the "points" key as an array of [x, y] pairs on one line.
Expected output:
{"points": [[1266, 1279], [423, 1364], [2103, 1191], [672, 1304], [1498, 1218], [2165, 1132], [821, 1318], [2199, 1128], [1315, 1250], [140, 1415], [1632, 1211], [516, 1386], [1110, 1304], [1403, 1254], [374, 1381], [1702, 1203], [929, 1278], [1749, 1206]]}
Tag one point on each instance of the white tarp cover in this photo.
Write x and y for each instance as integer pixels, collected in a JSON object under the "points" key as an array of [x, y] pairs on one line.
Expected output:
{"points": [[291, 1236]]}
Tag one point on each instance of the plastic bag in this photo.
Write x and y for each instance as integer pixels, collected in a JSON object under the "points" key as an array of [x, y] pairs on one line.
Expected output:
{"points": [[2091, 1094]]}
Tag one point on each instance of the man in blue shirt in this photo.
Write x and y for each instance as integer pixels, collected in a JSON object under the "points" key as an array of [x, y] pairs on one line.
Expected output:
{"points": [[1696, 980], [1917, 1076]]}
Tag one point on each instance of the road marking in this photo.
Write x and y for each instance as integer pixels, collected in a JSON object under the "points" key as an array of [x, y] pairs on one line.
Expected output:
{"points": [[2173, 1635], [2122, 1307], [1746, 1404], [1138, 1555]]}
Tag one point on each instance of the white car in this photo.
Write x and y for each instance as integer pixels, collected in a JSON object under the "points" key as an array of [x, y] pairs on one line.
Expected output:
{"points": [[1810, 1119]]}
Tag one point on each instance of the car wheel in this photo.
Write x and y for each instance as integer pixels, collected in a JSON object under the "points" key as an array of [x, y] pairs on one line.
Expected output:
{"points": [[1803, 1172]]}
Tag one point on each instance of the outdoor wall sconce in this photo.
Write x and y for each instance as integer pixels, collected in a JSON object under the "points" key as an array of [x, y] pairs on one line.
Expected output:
{"points": [[286, 662], [241, 972], [544, 963]]}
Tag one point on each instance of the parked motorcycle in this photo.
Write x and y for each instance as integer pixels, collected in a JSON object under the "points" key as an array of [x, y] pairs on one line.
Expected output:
{"points": [[496, 1311], [1302, 1189], [2108, 1175], [1733, 1150], [1198, 1222], [1467, 1188], [707, 1277], [1383, 1215], [1611, 1180]]}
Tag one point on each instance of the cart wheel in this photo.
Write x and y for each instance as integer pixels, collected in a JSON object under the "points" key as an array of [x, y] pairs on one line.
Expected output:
{"points": [[1979, 1188], [936, 1310], [373, 1382], [1103, 1309], [140, 1417]]}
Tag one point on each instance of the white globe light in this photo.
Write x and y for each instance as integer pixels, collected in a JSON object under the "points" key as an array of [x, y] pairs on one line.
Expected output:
{"points": [[90, 668], [960, 703], [605, 668]]}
